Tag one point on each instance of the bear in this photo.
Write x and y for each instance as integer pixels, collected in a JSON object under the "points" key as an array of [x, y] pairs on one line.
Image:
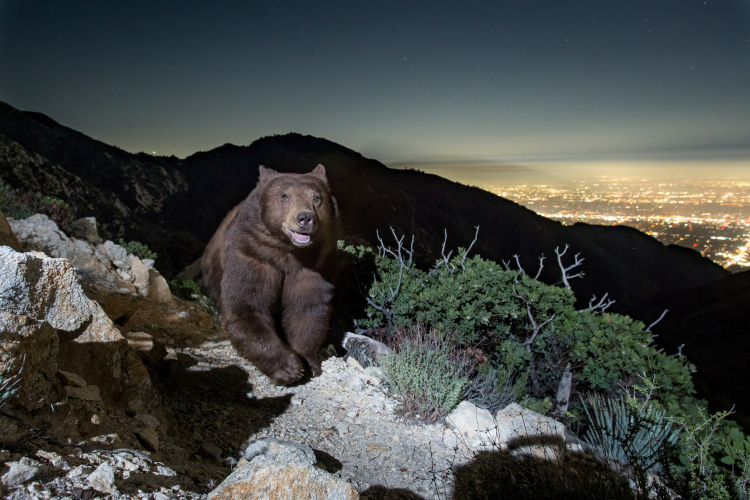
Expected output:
{"points": [[271, 266]]}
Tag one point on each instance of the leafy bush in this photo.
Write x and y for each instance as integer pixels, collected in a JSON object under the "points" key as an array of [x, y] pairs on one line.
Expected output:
{"points": [[138, 249], [185, 289], [704, 438], [611, 349], [21, 205], [189, 290], [528, 330], [10, 205], [423, 373]]}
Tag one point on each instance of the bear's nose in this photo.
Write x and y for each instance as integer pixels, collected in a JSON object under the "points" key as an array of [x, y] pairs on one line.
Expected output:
{"points": [[305, 219]]}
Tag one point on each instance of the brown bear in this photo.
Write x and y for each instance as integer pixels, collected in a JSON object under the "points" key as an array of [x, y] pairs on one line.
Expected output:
{"points": [[271, 265]]}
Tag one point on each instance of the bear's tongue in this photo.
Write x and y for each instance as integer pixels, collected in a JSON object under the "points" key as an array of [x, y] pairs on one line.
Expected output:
{"points": [[300, 238]]}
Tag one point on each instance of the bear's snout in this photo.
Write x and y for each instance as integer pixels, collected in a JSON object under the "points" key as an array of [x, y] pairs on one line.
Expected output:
{"points": [[305, 219]]}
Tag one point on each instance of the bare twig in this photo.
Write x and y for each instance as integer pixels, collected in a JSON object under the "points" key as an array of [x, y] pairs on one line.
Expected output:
{"points": [[679, 352], [541, 266], [599, 305], [536, 328], [648, 330], [578, 261], [476, 235], [518, 263]]}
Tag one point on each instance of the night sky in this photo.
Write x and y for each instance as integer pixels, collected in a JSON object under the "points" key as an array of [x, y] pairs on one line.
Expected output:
{"points": [[441, 86]]}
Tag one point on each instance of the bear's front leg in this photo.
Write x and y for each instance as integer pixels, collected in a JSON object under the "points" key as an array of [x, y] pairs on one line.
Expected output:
{"points": [[306, 312], [254, 338], [250, 293]]}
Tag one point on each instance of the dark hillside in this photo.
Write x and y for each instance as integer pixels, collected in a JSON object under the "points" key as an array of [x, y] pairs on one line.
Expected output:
{"points": [[175, 205], [619, 260], [712, 321]]}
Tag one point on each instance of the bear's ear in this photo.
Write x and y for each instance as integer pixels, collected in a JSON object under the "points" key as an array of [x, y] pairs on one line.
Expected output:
{"points": [[320, 173], [265, 173]]}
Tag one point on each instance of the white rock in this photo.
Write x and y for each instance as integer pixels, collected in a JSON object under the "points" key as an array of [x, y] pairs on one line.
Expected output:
{"points": [[103, 478], [139, 271], [474, 426], [112, 251], [19, 473], [353, 383], [126, 276], [515, 421], [280, 470]]}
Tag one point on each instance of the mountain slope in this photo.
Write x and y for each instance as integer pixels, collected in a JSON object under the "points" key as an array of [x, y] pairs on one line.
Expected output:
{"points": [[711, 320], [175, 205]]}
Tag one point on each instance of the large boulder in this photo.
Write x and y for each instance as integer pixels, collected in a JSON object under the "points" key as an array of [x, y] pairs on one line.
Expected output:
{"points": [[47, 290], [271, 469]]}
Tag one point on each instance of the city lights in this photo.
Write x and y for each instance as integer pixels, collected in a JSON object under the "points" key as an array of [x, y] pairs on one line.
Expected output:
{"points": [[711, 216]]}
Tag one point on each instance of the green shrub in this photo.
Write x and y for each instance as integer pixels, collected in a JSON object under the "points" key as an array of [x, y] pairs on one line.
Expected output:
{"points": [[476, 303], [10, 204], [611, 349], [189, 290], [422, 372], [138, 249], [185, 289], [21, 205]]}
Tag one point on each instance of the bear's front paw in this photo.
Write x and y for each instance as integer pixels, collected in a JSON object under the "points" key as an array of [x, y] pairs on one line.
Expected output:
{"points": [[315, 368], [289, 371]]}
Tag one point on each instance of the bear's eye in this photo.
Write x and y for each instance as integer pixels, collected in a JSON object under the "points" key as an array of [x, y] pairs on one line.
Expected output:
{"points": [[284, 197], [316, 198]]}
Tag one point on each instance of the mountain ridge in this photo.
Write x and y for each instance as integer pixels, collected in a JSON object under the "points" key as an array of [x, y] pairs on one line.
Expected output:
{"points": [[175, 205]]}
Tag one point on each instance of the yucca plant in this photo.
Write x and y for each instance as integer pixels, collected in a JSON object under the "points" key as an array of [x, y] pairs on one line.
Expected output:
{"points": [[629, 433], [9, 383]]}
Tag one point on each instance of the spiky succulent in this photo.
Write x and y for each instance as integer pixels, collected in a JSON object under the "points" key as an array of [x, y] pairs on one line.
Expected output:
{"points": [[9, 383], [628, 433]]}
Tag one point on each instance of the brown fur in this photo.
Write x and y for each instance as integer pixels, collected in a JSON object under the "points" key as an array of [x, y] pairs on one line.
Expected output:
{"points": [[262, 277]]}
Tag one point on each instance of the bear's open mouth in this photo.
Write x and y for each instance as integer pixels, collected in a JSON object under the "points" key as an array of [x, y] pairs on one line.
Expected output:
{"points": [[300, 238]]}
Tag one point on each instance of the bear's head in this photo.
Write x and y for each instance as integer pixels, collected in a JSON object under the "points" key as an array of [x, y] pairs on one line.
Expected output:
{"points": [[298, 208]]}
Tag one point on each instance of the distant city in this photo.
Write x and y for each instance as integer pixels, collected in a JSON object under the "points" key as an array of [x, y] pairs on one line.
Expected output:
{"points": [[711, 216]]}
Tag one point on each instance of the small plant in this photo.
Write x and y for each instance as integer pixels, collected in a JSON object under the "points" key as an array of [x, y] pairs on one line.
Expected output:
{"points": [[628, 431], [138, 249], [9, 383], [703, 477], [189, 290], [185, 289], [422, 372], [495, 387], [10, 204]]}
